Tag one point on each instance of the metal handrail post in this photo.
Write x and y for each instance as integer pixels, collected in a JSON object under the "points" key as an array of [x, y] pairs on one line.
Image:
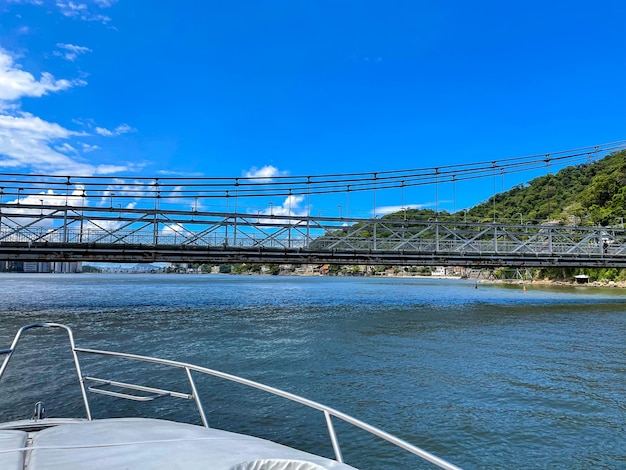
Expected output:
{"points": [[79, 372], [196, 398], [11, 350], [333, 437]]}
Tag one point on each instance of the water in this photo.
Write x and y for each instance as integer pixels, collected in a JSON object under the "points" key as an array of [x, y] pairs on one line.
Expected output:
{"points": [[485, 378]]}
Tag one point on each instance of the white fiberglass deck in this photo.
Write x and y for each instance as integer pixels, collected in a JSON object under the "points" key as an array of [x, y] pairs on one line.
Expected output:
{"points": [[146, 444]]}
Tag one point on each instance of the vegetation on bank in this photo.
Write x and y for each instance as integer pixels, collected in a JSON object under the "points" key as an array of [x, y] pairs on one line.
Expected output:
{"points": [[91, 269], [311, 269], [594, 274]]}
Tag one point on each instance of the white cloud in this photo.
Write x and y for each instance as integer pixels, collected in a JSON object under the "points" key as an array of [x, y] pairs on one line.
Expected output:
{"points": [[291, 207], [263, 174], [66, 148], [191, 174], [176, 233], [99, 224], [34, 127], [32, 2], [124, 129], [70, 51], [75, 10], [109, 169], [105, 3], [71, 8], [171, 229], [27, 141], [50, 198], [119, 130], [80, 11], [104, 132], [89, 148], [126, 189], [6, 107], [16, 83], [384, 210]]}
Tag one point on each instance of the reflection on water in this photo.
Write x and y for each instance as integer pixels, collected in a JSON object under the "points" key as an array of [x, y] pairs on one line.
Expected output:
{"points": [[486, 377]]}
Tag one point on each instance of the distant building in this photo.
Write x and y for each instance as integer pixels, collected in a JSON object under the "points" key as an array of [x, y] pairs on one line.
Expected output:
{"points": [[41, 266]]}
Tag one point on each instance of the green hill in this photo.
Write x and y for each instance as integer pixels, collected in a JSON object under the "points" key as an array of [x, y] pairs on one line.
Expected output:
{"points": [[587, 194]]}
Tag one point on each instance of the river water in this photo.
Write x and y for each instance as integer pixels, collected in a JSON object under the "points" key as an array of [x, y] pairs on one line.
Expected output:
{"points": [[486, 377]]}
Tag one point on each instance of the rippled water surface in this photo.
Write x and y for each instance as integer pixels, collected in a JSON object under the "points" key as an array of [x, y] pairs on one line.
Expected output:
{"points": [[486, 378]]}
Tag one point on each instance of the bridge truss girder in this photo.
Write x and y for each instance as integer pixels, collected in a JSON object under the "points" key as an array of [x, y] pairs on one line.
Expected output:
{"points": [[222, 255], [70, 233]]}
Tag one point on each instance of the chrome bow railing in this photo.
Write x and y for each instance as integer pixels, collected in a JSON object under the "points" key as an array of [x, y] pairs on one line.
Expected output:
{"points": [[143, 393]]}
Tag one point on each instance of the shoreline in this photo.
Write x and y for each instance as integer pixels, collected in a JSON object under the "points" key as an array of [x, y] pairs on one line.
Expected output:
{"points": [[538, 282], [548, 282]]}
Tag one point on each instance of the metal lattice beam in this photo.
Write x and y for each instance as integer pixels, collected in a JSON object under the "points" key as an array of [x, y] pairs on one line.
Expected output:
{"points": [[40, 232]]}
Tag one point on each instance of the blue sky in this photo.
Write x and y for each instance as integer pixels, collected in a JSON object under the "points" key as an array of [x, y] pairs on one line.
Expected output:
{"points": [[305, 87]]}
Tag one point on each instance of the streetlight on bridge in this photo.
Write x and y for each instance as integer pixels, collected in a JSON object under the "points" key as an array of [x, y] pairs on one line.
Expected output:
{"points": [[521, 218]]}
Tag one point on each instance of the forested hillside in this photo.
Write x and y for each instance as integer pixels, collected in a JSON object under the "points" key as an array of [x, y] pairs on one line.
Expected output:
{"points": [[588, 194]]}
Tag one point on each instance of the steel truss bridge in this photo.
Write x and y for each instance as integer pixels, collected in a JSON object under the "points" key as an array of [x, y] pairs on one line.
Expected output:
{"points": [[233, 220], [81, 233]]}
